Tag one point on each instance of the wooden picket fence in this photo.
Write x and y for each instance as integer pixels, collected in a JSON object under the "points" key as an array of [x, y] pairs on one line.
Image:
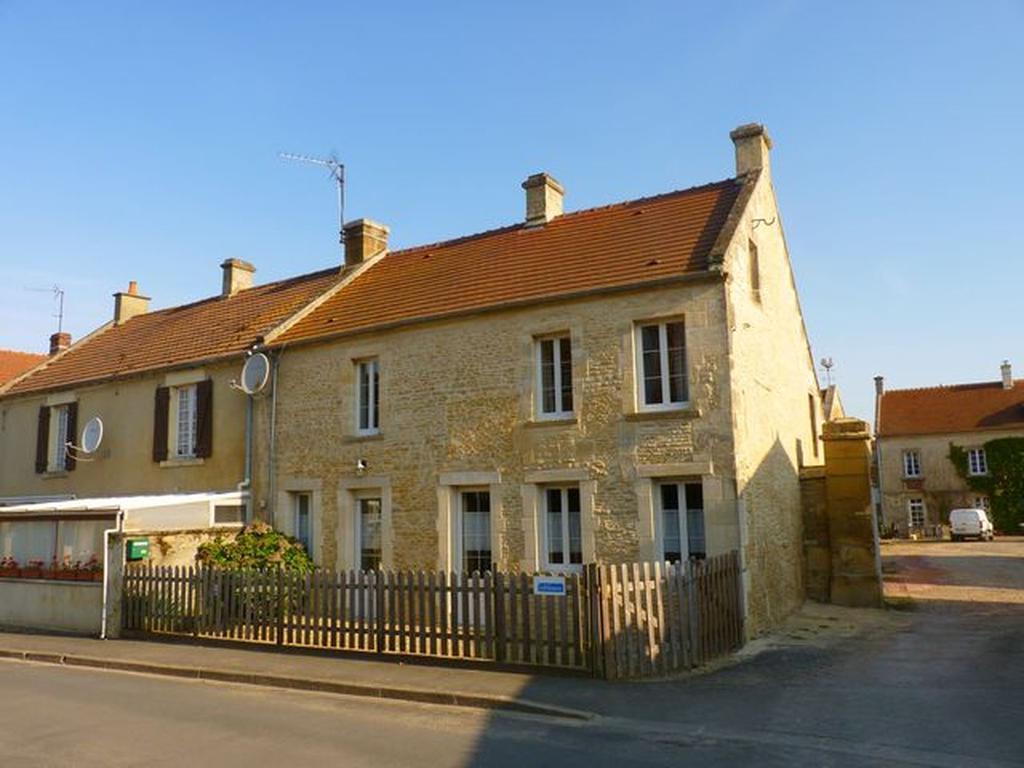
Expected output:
{"points": [[616, 621]]}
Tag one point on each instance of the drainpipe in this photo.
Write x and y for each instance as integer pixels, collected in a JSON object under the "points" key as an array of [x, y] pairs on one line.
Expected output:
{"points": [[246, 485], [119, 527], [275, 364]]}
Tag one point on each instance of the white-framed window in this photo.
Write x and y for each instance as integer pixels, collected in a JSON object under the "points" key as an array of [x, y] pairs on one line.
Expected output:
{"points": [[981, 502], [563, 528], [915, 512], [554, 377], [474, 530], [977, 463], [59, 438], [302, 520], [368, 396], [681, 507], [911, 464], [186, 421], [368, 527], [661, 365]]}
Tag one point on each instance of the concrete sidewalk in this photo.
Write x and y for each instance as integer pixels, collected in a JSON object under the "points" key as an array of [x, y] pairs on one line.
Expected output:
{"points": [[435, 684]]}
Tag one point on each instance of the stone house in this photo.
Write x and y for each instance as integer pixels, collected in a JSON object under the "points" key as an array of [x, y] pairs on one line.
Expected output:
{"points": [[621, 383], [915, 428], [160, 381]]}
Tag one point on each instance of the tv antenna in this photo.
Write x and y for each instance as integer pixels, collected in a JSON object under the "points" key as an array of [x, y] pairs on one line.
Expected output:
{"points": [[337, 171], [58, 295], [828, 365]]}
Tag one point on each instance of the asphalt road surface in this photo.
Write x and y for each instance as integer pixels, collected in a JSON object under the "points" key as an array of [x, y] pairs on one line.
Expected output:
{"points": [[942, 685]]}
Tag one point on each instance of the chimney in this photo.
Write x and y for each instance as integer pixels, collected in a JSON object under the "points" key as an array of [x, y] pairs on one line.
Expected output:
{"points": [[237, 276], [1007, 372], [128, 304], [59, 342], [879, 385], [753, 145], [543, 199], [364, 239]]}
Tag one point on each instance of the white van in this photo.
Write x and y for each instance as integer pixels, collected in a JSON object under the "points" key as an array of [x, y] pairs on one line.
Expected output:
{"points": [[970, 523]]}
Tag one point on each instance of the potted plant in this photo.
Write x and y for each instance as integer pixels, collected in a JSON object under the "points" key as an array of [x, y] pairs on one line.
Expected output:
{"points": [[51, 571], [66, 571], [33, 570], [91, 570], [9, 568]]}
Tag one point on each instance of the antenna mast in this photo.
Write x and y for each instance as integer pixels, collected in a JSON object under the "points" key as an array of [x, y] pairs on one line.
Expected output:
{"points": [[58, 294], [828, 365], [337, 171]]}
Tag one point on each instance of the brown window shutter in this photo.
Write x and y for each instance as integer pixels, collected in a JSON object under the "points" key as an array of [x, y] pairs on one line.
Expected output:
{"points": [[162, 404], [69, 455], [204, 418], [43, 439]]}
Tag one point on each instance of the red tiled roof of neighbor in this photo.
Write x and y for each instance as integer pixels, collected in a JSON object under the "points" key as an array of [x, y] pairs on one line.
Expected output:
{"points": [[208, 329], [960, 408], [614, 246], [13, 363]]}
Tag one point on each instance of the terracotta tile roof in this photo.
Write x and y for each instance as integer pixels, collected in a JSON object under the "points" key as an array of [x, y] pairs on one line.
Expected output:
{"points": [[13, 363], [214, 327], [618, 245], [961, 408]]}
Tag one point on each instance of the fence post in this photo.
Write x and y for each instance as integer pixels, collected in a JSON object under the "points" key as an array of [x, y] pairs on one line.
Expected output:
{"points": [[498, 585], [378, 588], [595, 637], [281, 605]]}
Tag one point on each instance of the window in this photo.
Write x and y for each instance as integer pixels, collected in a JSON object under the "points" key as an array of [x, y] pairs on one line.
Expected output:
{"points": [[187, 422], [368, 510], [915, 509], [755, 271], [681, 507], [981, 502], [564, 535], [475, 518], [977, 463], [554, 377], [302, 523], [661, 365], [59, 437], [911, 464], [368, 396]]}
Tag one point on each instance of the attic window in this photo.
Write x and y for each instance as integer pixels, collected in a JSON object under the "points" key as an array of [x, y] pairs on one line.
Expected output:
{"points": [[755, 271]]}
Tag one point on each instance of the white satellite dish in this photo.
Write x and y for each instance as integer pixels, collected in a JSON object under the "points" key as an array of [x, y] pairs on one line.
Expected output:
{"points": [[255, 374], [92, 435]]}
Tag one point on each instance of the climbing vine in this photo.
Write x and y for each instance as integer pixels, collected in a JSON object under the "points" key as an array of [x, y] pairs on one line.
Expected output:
{"points": [[1004, 483], [257, 547]]}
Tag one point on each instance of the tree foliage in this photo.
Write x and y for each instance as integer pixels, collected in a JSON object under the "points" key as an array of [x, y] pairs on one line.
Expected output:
{"points": [[1004, 483], [257, 547]]}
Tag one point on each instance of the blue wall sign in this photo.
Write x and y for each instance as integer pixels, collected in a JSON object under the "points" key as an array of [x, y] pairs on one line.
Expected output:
{"points": [[549, 585]]}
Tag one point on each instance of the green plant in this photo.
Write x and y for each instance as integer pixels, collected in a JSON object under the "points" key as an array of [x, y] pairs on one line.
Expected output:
{"points": [[257, 547], [1004, 483]]}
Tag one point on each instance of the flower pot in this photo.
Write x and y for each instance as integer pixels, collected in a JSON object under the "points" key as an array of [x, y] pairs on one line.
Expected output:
{"points": [[10, 573], [66, 574], [31, 573], [97, 575]]}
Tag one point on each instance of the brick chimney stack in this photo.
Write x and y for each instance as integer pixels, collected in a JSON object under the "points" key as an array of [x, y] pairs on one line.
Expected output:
{"points": [[128, 304], [237, 276], [364, 239], [544, 196], [59, 342], [753, 147]]}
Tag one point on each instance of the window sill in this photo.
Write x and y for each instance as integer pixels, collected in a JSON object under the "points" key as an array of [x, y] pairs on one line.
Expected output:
{"points": [[361, 438], [54, 474], [561, 421], [665, 413], [182, 462]]}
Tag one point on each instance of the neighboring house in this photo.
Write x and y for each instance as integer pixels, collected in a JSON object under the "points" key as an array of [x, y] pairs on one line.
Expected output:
{"points": [[162, 383], [832, 404], [621, 383], [14, 364], [915, 429]]}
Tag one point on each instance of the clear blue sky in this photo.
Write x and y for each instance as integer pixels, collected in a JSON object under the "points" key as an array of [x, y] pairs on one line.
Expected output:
{"points": [[139, 141]]}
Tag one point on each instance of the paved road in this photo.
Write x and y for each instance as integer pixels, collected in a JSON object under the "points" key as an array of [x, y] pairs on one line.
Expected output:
{"points": [[941, 685]]}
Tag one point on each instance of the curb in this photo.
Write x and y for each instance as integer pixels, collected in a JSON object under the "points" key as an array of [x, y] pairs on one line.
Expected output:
{"points": [[418, 695]]}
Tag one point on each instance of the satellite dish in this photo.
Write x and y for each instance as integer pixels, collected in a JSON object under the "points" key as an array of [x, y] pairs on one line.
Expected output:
{"points": [[255, 373], [92, 435]]}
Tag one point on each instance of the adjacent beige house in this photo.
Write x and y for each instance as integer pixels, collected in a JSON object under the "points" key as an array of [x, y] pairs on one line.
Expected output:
{"points": [[918, 484], [630, 382], [161, 382]]}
